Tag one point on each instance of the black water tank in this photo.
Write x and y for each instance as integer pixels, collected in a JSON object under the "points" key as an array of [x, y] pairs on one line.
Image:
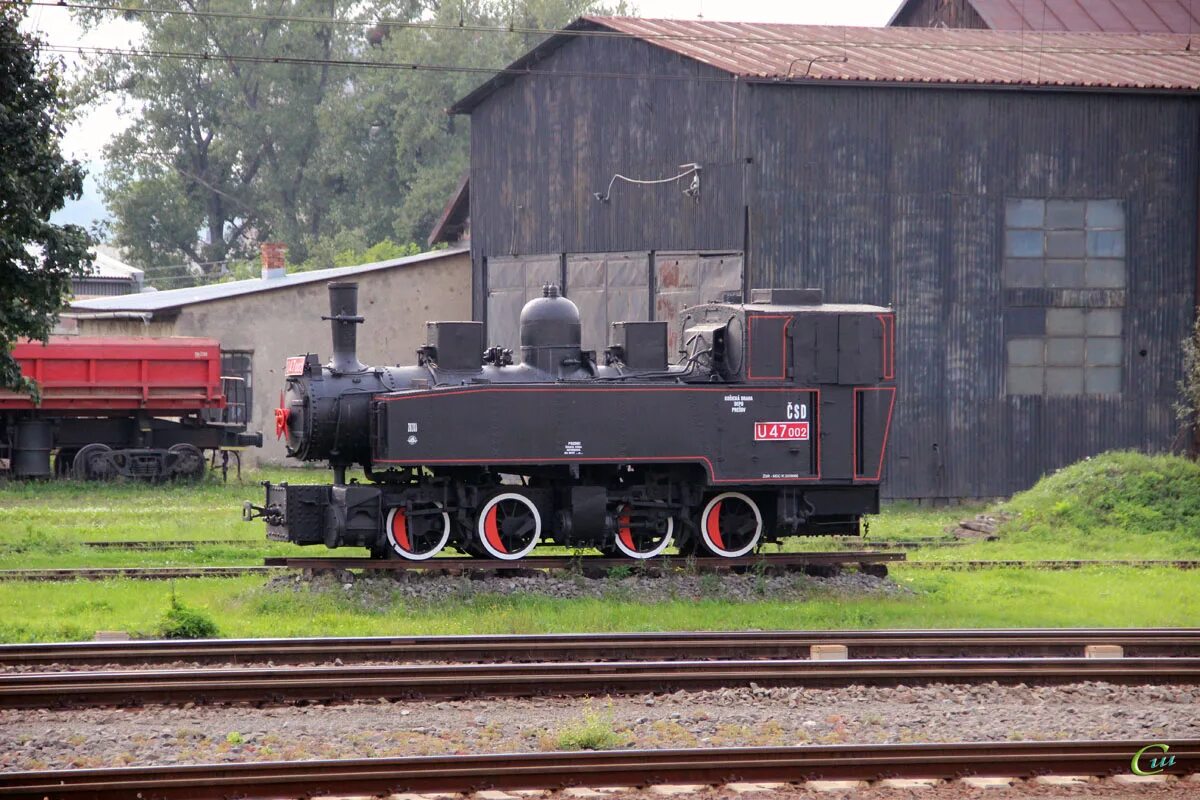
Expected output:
{"points": [[550, 331]]}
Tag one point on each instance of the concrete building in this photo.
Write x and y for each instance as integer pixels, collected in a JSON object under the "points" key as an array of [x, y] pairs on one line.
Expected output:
{"points": [[260, 322], [1027, 203]]}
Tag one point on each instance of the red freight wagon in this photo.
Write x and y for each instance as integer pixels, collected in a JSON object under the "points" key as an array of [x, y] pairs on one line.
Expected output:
{"points": [[137, 407]]}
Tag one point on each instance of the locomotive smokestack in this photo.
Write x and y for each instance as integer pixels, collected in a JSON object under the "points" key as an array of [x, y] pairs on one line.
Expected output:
{"points": [[343, 317]]}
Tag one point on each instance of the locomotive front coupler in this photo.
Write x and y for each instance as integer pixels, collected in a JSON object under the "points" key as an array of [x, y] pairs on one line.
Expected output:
{"points": [[271, 514]]}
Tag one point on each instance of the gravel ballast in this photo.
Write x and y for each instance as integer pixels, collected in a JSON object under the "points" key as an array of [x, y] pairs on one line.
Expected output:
{"points": [[380, 590], [50, 739]]}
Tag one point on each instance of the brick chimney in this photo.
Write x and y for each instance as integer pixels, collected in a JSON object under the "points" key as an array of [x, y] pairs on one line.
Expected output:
{"points": [[274, 260]]}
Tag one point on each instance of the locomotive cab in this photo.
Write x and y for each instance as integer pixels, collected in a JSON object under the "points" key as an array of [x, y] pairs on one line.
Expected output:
{"points": [[771, 422]]}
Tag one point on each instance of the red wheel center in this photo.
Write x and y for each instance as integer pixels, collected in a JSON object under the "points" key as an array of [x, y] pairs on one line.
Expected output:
{"points": [[623, 530], [492, 530], [713, 526], [400, 530]]}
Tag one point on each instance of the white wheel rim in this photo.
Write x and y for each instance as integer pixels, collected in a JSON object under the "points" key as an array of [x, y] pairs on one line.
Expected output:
{"points": [[391, 536], [632, 553], [704, 524], [481, 526]]}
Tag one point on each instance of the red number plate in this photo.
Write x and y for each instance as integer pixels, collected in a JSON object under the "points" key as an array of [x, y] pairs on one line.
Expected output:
{"points": [[295, 366], [780, 431]]}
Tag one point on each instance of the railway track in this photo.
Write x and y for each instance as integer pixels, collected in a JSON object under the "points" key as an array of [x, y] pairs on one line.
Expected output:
{"points": [[1056, 564], [265, 685], [1139, 642], [191, 544], [820, 563], [872, 563], [139, 573], [169, 544], [714, 766]]}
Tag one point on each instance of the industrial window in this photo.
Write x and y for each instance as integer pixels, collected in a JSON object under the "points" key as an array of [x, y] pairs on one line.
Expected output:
{"points": [[1066, 259], [237, 378]]}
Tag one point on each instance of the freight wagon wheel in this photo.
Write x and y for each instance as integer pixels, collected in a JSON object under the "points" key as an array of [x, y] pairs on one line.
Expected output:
{"points": [[417, 536], [642, 535], [92, 463], [509, 526], [189, 462], [731, 525]]}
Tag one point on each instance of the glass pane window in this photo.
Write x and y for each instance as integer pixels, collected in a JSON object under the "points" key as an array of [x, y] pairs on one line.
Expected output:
{"points": [[237, 379], [1074, 344]]}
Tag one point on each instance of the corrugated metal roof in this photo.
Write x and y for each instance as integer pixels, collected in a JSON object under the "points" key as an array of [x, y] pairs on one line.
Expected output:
{"points": [[1092, 16], [990, 58], [763, 50], [175, 298], [107, 265]]}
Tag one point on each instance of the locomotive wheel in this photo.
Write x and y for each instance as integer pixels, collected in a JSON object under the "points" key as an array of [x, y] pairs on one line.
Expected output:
{"points": [[417, 537], [189, 462], [730, 526], [91, 463], [641, 539], [509, 526]]}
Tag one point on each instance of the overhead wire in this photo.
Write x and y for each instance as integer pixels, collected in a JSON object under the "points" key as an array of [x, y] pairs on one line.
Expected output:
{"points": [[355, 63], [830, 41], [456, 68]]}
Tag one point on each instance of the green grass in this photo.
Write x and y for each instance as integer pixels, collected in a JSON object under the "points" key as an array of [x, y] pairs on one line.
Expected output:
{"points": [[592, 731], [1100, 597], [43, 524], [1118, 505]]}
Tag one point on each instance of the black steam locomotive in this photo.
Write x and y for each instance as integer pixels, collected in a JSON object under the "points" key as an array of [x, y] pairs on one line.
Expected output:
{"points": [[772, 422]]}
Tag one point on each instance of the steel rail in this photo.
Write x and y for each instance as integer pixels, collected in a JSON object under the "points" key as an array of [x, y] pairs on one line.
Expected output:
{"points": [[1055, 564], [138, 573], [168, 544], [872, 562], [449, 681], [512, 771], [607, 646]]}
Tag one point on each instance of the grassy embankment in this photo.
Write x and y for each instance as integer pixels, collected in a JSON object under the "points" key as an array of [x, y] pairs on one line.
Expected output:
{"points": [[1116, 506]]}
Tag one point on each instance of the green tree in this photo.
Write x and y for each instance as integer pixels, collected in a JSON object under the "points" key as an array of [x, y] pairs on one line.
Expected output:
{"points": [[227, 153], [431, 147], [225, 150], [37, 258]]}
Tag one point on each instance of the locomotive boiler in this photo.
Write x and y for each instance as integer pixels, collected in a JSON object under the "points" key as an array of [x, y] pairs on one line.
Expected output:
{"points": [[772, 421]]}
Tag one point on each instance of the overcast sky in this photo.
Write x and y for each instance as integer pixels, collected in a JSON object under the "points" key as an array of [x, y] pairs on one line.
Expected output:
{"points": [[87, 137]]}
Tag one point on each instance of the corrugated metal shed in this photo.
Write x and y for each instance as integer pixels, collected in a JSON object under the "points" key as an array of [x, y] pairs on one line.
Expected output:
{"points": [[878, 191], [810, 53], [1083, 16]]}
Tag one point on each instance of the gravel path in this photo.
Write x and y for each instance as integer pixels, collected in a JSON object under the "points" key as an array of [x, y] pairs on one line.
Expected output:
{"points": [[42, 739]]}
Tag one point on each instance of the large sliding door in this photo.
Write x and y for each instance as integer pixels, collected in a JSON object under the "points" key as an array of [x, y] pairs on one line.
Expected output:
{"points": [[608, 288]]}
